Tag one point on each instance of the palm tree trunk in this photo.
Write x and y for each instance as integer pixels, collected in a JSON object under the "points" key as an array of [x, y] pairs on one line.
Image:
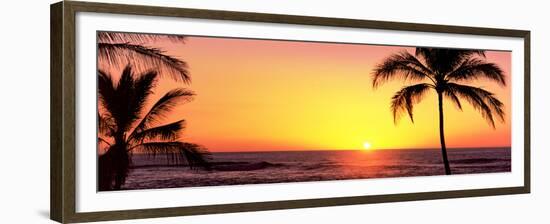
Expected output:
{"points": [[121, 161], [105, 171], [121, 166], [442, 135]]}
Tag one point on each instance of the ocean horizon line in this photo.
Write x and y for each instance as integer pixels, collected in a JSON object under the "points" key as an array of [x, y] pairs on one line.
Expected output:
{"points": [[365, 150], [372, 149]]}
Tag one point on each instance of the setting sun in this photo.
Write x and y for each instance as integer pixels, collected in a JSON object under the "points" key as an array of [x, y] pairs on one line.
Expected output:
{"points": [[366, 145]]}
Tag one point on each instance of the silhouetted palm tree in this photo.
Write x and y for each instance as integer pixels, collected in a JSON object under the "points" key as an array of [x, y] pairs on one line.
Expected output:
{"points": [[125, 127], [442, 70], [119, 49]]}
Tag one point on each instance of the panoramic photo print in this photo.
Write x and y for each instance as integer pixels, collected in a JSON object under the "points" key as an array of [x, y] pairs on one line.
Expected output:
{"points": [[192, 111]]}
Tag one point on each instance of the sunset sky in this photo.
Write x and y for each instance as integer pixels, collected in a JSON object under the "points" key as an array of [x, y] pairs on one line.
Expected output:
{"points": [[257, 95]]}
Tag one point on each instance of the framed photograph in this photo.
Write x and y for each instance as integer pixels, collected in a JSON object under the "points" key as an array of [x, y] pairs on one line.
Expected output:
{"points": [[161, 112]]}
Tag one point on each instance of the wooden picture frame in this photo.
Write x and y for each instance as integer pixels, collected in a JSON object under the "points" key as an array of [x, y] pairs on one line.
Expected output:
{"points": [[63, 112]]}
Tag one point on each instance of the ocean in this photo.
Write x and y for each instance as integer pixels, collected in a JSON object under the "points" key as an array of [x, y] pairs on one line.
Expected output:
{"points": [[237, 168]]}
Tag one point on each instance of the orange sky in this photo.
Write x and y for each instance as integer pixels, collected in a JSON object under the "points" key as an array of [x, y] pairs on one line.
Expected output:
{"points": [[255, 95]]}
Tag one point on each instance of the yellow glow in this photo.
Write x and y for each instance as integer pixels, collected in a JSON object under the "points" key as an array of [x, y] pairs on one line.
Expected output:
{"points": [[312, 96], [366, 145]]}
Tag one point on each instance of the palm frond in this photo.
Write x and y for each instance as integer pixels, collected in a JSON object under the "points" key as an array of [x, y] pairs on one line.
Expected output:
{"points": [[416, 63], [105, 87], [103, 141], [196, 155], [120, 37], [107, 93], [178, 152], [142, 89], [405, 99], [454, 98], [443, 60], [121, 103], [164, 105], [476, 68], [482, 100], [124, 111], [143, 58], [124, 100], [167, 132], [104, 125], [402, 65]]}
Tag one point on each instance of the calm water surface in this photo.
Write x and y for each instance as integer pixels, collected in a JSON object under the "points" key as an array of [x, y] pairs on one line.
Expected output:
{"points": [[233, 168]]}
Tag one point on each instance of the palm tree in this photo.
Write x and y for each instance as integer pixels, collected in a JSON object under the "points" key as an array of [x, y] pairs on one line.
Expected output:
{"points": [[442, 70], [125, 127], [119, 49]]}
